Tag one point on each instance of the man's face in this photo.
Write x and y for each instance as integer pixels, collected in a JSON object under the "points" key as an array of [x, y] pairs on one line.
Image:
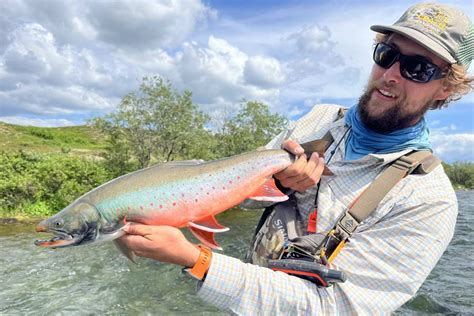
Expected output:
{"points": [[392, 102]]}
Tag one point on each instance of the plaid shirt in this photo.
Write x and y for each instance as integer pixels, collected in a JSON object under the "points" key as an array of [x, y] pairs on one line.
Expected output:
{"points": [[387, 259]]}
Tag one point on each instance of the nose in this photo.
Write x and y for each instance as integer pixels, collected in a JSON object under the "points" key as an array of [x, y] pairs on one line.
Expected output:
{"points": [[41, 228], [392, 74]]}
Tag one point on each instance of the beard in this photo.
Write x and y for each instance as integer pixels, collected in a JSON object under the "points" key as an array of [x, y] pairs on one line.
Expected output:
{"points": [[390, 120]]}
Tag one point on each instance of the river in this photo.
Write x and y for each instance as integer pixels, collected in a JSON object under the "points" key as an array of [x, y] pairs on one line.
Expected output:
{"points": [[98, 280]]}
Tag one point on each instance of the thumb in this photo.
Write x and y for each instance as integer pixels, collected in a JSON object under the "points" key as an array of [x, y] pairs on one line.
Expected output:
{"points": [[137, 229]]}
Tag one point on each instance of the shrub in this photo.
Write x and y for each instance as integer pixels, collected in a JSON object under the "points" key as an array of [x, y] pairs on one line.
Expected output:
{"points": [[39, 184]]}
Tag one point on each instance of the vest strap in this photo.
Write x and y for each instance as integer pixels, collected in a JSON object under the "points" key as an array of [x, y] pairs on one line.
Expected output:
{"points": [[416, 162]]}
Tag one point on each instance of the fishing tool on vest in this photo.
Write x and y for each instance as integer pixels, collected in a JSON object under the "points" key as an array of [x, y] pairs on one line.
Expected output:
{"points": [[280, 242]]}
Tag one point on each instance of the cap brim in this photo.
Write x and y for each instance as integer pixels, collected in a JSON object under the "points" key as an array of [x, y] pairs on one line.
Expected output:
{"points": [[418, 37]]}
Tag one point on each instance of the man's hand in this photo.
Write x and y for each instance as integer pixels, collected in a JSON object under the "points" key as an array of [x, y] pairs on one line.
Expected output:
{"points": [[302, 174], [162, 243]]}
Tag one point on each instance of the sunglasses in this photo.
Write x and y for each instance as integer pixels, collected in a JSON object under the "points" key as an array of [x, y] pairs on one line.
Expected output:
{"points": [[414, 68]]}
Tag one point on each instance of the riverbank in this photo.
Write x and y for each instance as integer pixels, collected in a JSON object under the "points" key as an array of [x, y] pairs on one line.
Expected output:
{"points": [[19, 220]]}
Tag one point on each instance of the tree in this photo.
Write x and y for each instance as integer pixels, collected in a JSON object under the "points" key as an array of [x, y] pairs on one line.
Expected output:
{"points": [[253, 126], [154, 122], [461, 174]]}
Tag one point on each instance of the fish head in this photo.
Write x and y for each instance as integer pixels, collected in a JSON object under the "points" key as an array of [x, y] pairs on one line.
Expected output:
{"points": [[75, 225]]}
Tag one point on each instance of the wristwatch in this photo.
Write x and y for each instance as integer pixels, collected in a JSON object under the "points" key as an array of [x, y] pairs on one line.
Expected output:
{"points": [[199, 270]]}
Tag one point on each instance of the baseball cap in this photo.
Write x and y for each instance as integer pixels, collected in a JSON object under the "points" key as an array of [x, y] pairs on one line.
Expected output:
{"points": [[442, 29]]}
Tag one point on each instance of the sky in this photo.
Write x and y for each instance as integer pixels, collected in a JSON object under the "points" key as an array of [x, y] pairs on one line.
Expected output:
{"points": [[64, 62]]}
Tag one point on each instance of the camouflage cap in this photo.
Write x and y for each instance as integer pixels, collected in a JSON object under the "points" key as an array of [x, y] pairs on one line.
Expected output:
{"points": [[442, 29]]}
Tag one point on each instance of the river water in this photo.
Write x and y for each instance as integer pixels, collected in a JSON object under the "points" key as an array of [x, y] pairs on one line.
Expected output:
{"points": [[98, 280]]}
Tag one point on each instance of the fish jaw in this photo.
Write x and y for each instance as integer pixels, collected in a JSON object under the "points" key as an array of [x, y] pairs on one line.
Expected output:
{"points": [[60, 239], [56, 243]]}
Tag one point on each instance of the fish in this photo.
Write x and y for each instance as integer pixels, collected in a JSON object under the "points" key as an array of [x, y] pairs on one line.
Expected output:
{"points": [[179, 193]]}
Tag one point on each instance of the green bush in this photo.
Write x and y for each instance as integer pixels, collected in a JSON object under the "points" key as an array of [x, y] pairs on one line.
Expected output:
{"points": [[41, 133], [39, 184], [461, 174]]}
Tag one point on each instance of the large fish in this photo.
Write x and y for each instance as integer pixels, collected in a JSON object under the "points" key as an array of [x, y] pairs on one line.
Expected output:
{"points": [[180, 194]]}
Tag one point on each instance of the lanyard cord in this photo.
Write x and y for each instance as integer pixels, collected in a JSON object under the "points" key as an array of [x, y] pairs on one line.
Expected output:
{"points": [[327, 163]]}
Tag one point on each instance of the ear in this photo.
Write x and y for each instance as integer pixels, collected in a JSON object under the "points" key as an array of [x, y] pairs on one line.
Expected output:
{"points": [[443, 93]]}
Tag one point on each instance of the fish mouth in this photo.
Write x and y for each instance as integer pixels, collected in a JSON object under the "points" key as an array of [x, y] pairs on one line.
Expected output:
{"points": [[59, 239]]}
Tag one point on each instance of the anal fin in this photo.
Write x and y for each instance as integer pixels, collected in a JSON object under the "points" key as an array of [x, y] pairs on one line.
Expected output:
{"points": [[125, 250], [206, 237], [209, 224], [268, 191]]}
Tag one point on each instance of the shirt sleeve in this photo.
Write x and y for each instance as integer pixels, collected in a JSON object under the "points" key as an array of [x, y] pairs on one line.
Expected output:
{"points": [[247, 289], [386, 262]]}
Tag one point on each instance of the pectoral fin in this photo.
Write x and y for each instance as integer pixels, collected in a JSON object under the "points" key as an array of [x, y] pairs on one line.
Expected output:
{"points": [[125, 250], [269, 192]]}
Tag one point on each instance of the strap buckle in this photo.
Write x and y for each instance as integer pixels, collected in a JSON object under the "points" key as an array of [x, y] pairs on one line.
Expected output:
{"points": [[348, 224], [405, 163]]}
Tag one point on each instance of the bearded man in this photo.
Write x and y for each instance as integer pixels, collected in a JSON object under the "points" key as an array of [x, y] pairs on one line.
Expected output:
{"points": [[420, 63]]}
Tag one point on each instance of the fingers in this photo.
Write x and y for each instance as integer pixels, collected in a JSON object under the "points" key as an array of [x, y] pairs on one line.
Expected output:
{"points": [[302, 174], [297, 168], [154, 233], [293, 147], [138, 229], [312, 173], [134, 244], [160, 243]]}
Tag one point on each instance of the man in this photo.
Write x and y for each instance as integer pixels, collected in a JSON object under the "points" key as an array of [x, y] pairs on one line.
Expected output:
{"points": [[420, 64]]}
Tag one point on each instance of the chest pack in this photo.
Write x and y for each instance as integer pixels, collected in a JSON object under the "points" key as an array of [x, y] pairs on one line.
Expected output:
{"points": [[282, 243]]}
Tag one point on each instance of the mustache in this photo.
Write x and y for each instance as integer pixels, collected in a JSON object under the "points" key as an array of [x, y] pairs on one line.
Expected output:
{"points": [[382, 85]]}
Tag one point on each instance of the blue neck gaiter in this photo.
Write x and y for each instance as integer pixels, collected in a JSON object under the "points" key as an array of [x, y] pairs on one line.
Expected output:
{"points": [[363, 141]]}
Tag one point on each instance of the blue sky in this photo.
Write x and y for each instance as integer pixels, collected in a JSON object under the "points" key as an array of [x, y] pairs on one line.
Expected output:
{"points": [[63, 62]]}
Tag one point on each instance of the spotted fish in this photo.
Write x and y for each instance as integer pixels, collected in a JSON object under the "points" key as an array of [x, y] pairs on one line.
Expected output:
{"points": [[180, 194]]}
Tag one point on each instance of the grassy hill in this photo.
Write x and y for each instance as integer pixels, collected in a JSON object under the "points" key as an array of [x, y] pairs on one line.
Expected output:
{"points": [[79, 140], [43, 169]]}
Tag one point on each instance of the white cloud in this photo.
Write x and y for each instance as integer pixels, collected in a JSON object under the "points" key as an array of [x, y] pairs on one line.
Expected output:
{"points": [[453, 147], [312, 39], [47, 100], [263, 71], [27, 121], [309, 103], [31, 50], [296, 112], [216, 74], [39, 76], [144, 24]]}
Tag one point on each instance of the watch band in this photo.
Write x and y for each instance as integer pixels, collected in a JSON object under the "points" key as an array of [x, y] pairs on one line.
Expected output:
{"points": [[201, 266]]}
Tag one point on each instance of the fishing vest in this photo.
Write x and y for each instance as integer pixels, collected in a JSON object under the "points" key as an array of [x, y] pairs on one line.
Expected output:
{"points": [[281, 232]]}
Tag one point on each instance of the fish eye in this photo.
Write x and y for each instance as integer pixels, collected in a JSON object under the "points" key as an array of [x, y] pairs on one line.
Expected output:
{"points": [[58, 223]]}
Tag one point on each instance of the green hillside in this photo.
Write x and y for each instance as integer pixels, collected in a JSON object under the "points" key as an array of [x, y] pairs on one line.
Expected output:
{"points": [[78, 140]]}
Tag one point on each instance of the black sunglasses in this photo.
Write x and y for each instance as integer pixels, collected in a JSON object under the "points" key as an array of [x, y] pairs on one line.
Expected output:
{"points": [[414, 68]]}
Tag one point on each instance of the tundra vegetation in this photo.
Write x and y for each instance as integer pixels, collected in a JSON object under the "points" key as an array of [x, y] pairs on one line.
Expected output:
{"points": [[43, 169]]}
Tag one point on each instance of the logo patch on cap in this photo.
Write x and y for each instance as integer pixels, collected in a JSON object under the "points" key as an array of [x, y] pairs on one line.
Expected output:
{"points": [[432, 18]]}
